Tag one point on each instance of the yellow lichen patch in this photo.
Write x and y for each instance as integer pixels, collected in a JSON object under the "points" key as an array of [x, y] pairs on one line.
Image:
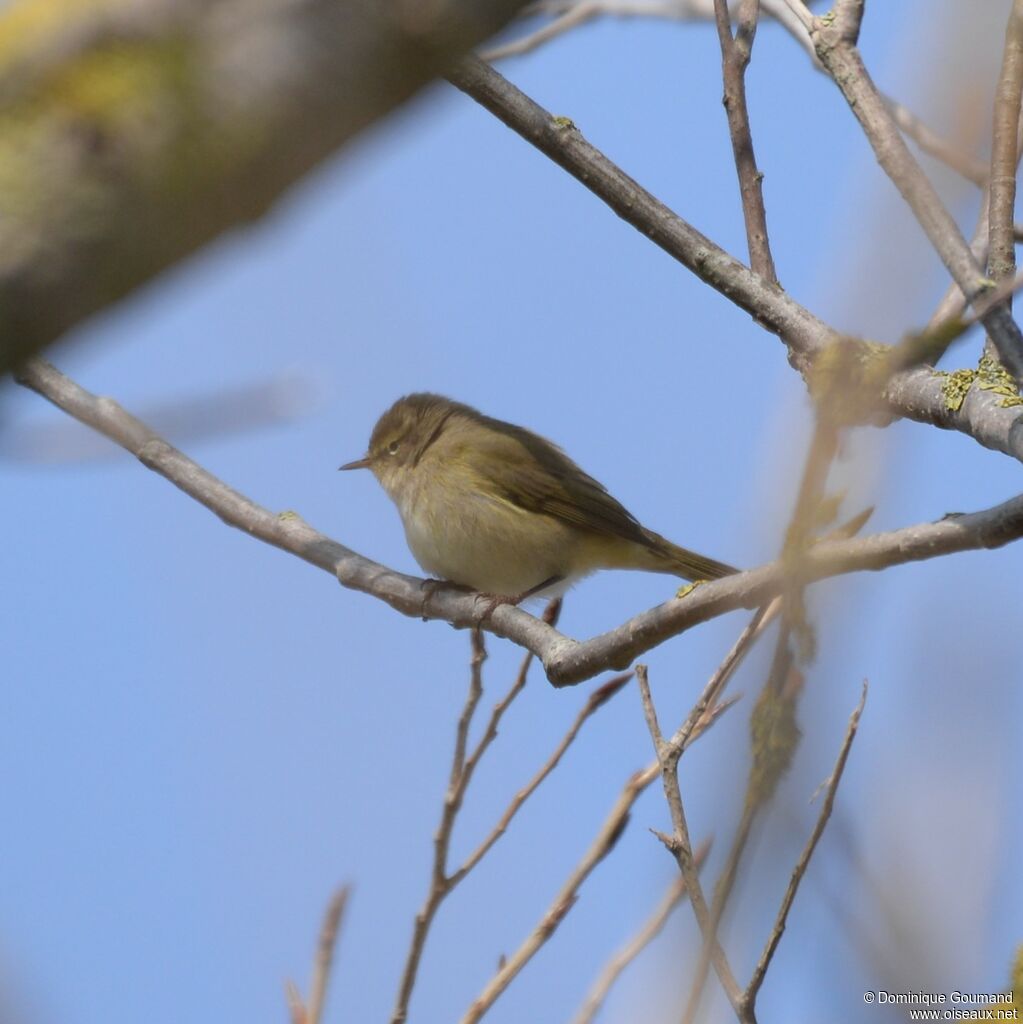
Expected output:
{"points": [[687, 589], [955, 385], [992, 376], [564, 123]]}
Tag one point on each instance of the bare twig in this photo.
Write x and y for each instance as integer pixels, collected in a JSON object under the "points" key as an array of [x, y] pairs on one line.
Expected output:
{"points": [[968, 166], [609, 834], [597, 699], [564, 22], [1004, 152], [566, 661], [680, 845], [953, 302], [735, 57], [296, 1008], [803, 16], [570, 14], [440, 885], [634, 947], [550, 616], [312, 1012], [831, 787]]}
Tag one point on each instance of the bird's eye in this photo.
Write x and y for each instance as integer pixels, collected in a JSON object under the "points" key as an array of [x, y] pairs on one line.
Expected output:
{"points": [[393, 447]]}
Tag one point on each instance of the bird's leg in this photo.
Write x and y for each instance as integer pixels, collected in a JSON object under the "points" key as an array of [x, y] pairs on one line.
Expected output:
{"points": [[494, 601]]}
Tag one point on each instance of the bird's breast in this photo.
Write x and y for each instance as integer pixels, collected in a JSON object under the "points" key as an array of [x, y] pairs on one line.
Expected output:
{"points": [[463, 534]]}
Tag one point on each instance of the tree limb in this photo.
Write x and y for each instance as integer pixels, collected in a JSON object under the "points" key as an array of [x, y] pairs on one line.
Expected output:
{"points": [[136, 131], [916, 394], [566, 661]]}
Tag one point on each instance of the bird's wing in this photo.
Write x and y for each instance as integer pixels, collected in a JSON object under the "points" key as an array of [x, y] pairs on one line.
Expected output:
{"points": [[533, 474]]}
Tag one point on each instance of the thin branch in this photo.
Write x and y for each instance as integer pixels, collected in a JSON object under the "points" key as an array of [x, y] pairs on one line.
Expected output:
{"points": [[296, 1008], [680, 845], [968, 166], [312, 1013], [649, 931], [458, 782], [953, 302], [609, 834], [1004, 152], [917, 395], [566, 16], [694, 722], [597, 699], [566, 661], [564, 22], [831, 787], [834, 39], [735, 57], [798, 8], [550, 616]]}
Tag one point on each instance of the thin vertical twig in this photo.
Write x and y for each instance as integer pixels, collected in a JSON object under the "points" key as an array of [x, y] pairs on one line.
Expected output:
{"points": [[597, 699], [680, 846], [831, 788], [458, 781], [604, 842], [1004, 152], [649, 931], [736, 52], [311, 1011], [325, 954]]}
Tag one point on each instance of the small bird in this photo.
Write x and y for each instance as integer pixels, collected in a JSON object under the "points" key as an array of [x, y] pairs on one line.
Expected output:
{"points": [[499, 509]]}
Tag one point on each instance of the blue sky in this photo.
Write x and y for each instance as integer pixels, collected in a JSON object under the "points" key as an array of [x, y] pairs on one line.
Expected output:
{"points": [[200, 736]]}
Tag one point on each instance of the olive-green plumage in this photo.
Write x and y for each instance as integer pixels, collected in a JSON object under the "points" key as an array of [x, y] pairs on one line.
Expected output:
{"points": [[500, 509]]}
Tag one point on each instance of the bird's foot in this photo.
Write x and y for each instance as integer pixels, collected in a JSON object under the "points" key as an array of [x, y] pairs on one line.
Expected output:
{"points": [[494, 601], [429, 587], [491, 602]]}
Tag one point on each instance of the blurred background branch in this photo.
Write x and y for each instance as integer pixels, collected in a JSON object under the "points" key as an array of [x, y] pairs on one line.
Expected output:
{"points": [[136, 131]]}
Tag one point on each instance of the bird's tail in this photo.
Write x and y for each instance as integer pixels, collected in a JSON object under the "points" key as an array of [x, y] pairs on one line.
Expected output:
{"points": [[680, 561]]}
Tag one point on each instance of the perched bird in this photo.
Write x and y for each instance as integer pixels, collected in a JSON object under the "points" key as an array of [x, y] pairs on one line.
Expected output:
{"points": [[497, 508]]}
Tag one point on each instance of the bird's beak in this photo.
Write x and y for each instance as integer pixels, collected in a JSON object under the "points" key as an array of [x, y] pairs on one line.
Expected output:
{"points": [[362, 463]]}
